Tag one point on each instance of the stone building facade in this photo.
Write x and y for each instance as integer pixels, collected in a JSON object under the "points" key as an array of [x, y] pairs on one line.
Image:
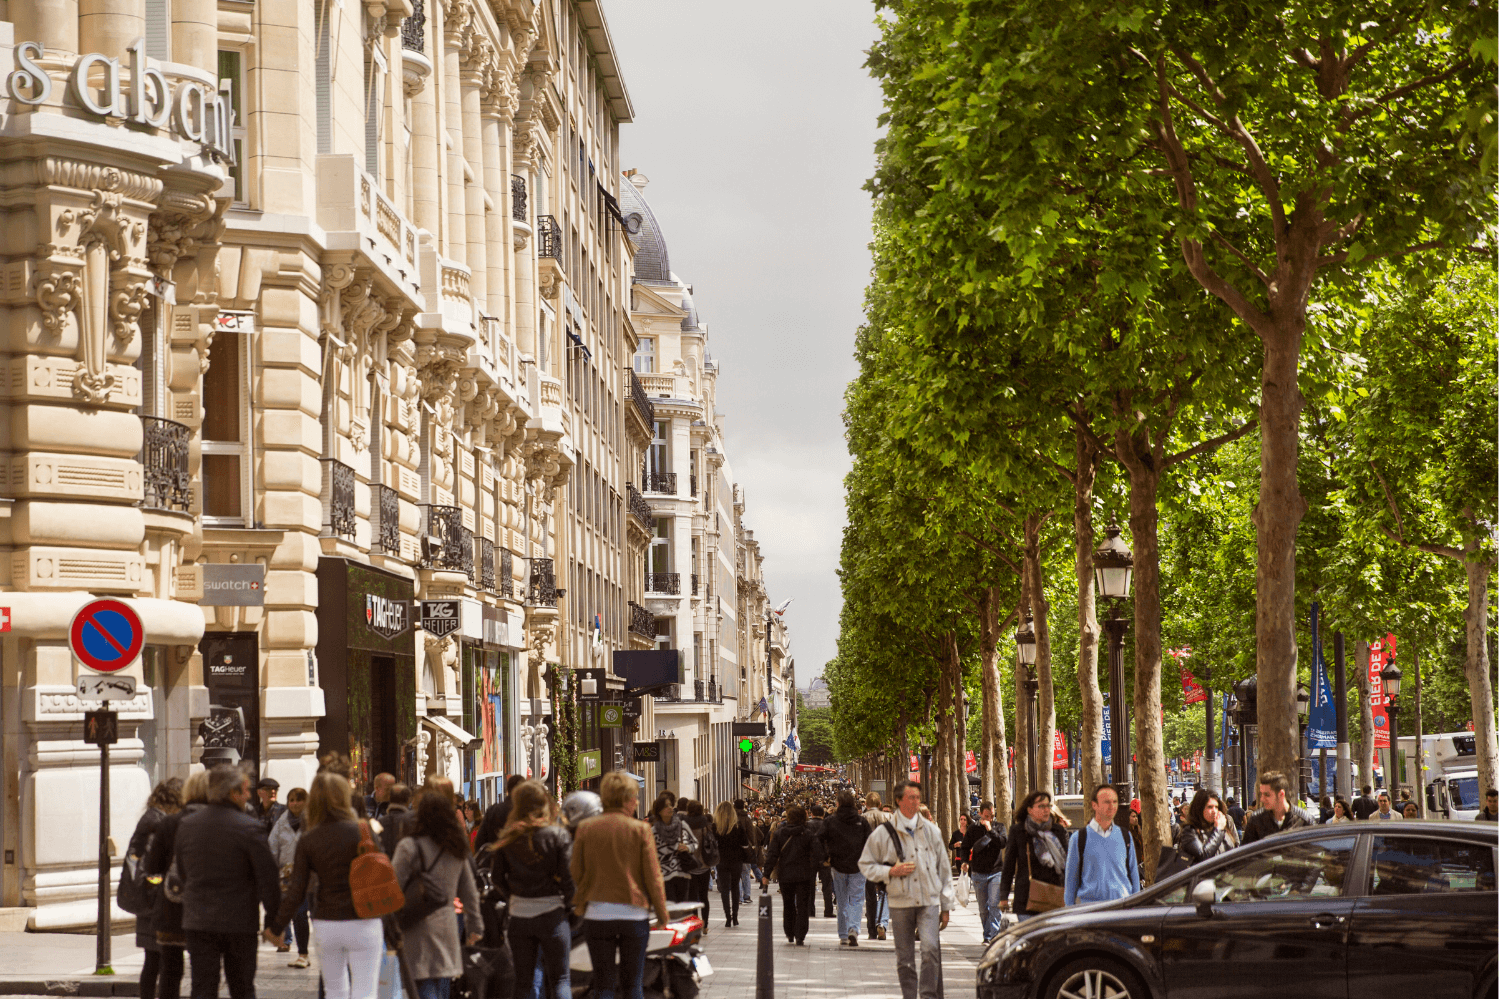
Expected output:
{"points": [[320, 342]]}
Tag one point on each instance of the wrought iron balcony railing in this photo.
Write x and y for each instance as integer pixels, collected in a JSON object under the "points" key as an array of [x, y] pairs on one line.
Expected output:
{"points": [[338, 499], [543, 588], [164, 458], [486, 564], [692, 485], [638, 506], [548, 237], [642, 621], [661, 482], [694, 584], [447, 544], [663, 582], [413, 28], [518, 198], [387, 526], [507, 573], [641, 400]]}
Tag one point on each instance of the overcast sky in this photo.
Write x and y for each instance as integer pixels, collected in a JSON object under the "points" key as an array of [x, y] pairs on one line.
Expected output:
{"points": [[756, 126]]}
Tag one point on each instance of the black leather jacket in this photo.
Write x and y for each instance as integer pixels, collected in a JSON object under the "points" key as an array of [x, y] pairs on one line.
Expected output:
{"points": [[1262, 823], [985, 847], [795, 853], [536, 869], [1197, 845], [843, 835]]}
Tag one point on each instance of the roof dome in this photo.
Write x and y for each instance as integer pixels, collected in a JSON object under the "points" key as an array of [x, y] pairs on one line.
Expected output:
{"points": [[689, 321], [652, 265]]}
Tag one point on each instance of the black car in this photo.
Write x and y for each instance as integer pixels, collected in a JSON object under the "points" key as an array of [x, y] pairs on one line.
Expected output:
{"points": [[1349, 910]]}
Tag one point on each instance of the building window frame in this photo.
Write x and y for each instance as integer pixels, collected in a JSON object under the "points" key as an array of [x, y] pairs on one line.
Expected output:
{"points": [[241, 448]]}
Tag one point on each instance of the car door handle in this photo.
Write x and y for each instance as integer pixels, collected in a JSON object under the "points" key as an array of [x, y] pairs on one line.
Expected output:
{"points": [[1327, 921]]}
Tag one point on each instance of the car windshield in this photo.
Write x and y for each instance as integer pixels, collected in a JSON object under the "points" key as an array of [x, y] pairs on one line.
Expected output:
{"points": [[1463, 793], [1306, 869]]}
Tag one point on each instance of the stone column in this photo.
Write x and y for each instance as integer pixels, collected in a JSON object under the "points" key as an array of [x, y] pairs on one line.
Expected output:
{"points": [[195, 34], [109, 26], [454, 243], [426, 180], [53, 23], [525, 263], [473, 155], [497, 183]]}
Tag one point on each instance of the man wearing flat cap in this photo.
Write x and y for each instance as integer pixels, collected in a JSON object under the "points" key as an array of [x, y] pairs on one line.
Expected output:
{"points": [[265, 806]]}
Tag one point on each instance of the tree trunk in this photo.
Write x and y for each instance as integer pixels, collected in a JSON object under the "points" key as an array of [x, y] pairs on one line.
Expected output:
{"points": [[1046, 711], [1276, 517], [1476, 665], [1150, 751], [1365, 715], [996, 766], [1091, 750]]}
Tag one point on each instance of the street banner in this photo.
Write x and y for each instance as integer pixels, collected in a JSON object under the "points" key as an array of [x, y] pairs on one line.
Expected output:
{"points": [[1379, 653], [1192, 691], [915, 768], [1059, 751], [1322, 722], [970, 763], [1107, 746]]}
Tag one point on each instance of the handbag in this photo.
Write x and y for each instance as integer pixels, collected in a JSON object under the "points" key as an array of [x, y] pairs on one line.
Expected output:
{"points": [[965, 885], [136, 894], [373, 887], [1044, 896]]}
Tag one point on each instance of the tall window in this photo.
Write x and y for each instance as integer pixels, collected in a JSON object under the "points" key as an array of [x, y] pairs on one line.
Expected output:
{"points": [[226, 429], [645, 355], [232, 85], [660, 555], [656, 457]]}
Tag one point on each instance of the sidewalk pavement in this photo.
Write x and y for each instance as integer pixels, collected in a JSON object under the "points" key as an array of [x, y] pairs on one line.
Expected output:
{"points": [[62, 964], [824, 970]]}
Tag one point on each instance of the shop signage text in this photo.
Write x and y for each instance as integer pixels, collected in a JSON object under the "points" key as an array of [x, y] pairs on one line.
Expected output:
{"points": [[194, 111], [647, 752], [386, 617], [440, 617], [227, 584]]}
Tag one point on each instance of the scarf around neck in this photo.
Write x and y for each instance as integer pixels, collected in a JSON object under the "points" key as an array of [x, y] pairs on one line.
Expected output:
{"points": [[1044, 842]]}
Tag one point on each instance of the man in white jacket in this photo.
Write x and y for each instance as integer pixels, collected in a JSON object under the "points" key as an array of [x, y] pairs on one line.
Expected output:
{"points": [[907, 855]]}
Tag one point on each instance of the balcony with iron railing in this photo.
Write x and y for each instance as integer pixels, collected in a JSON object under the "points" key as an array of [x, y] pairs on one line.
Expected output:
{"points": [[446, 543], [386, 530], [696, 692], [642, 401], [669, 583], [507, 573], [486, 564], [694, 584], [338, 500], [543, 585], [642, 621], [638, 507], [518, 198], [661, 482], [164, 452], [548, 237], [692, 485]]}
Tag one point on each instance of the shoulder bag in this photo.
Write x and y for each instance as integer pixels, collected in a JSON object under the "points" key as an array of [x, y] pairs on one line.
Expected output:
{"points": [[422, 892], [1044, 896]]}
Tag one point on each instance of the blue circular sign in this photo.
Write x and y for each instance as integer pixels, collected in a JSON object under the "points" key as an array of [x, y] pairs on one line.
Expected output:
{"points": [[106, 635]]}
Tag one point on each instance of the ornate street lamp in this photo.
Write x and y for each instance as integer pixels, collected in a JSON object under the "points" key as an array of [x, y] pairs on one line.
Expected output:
{"points": [[1303, 710], [1391, 676], [1113, 567], [1025, 652]]}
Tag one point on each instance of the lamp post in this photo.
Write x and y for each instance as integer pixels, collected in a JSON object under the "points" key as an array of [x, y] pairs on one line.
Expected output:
{"points": [[1391, 677], [1303, 709], [1113, 567], [1025, 654], [1246, 692]]}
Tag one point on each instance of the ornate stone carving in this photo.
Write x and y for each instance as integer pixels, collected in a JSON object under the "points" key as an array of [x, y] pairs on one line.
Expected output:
{"points": [[57, 294], [182, 223]]}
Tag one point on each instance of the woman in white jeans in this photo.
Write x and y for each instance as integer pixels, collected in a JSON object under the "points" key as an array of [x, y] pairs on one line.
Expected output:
{"points": [[349, 948]]}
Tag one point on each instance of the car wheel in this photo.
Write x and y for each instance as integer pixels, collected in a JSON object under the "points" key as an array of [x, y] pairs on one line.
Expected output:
{"points": [[1095, 978]]}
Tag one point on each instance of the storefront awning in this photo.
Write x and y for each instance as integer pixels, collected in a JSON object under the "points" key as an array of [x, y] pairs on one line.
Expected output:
{"points": [[464, 740]]}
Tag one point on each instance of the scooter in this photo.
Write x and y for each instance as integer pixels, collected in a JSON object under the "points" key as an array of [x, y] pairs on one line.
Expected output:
{"points": [[674, 962]]}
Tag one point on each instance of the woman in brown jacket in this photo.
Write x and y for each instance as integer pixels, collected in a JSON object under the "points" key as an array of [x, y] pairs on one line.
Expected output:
{"points": [[619, 885]]}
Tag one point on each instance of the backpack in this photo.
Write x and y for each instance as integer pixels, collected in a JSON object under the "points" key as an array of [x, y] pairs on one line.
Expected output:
{"points": [[423, 894], [1082, 851], [373, 887], [709, 847]]}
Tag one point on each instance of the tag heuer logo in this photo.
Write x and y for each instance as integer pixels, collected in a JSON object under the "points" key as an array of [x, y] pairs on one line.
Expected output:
{"points": [[387, 618], [440, 617]]}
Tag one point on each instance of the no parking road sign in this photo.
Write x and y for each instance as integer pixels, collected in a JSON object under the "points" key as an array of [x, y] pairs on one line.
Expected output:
{"points": [[106, 635]]}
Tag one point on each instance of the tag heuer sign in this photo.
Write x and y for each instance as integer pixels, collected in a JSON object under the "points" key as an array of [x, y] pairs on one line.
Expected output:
{"points": [[386, 617], [440, 617]]}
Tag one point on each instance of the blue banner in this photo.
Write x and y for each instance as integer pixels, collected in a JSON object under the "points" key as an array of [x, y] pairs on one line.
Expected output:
{"points": [[1107, 744], [1322, 722]]}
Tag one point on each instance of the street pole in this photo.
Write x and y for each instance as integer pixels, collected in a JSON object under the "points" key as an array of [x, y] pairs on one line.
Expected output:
{"points": [[1207, 756], [765, 961], [1032, 686], [1118, 751], [102, 962], [1392, 778], [1340, 698]]}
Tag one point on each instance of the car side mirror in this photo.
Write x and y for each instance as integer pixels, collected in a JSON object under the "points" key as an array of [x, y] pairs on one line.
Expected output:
{"points": [[1204, 895]]}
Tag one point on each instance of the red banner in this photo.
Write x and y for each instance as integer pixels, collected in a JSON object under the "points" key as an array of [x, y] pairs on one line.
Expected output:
{"points": [[1192, 691], [970, 763], [1058, 751], [1380, 652]]}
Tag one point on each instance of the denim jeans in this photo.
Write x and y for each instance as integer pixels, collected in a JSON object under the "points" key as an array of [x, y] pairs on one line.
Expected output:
{"points": [[433, 988], [986, 890], [746, 884], [850, 891], [621, 978], [550, 936]]}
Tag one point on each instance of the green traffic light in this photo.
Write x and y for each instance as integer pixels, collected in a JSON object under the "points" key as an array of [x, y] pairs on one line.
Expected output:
{"points": [[746, 745]]}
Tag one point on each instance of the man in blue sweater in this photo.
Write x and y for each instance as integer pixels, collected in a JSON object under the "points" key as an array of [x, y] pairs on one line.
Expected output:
{"points": [[1101, 865]]}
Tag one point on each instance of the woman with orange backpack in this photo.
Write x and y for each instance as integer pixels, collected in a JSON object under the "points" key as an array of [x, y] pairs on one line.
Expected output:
{"points": [[349, 947]]}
